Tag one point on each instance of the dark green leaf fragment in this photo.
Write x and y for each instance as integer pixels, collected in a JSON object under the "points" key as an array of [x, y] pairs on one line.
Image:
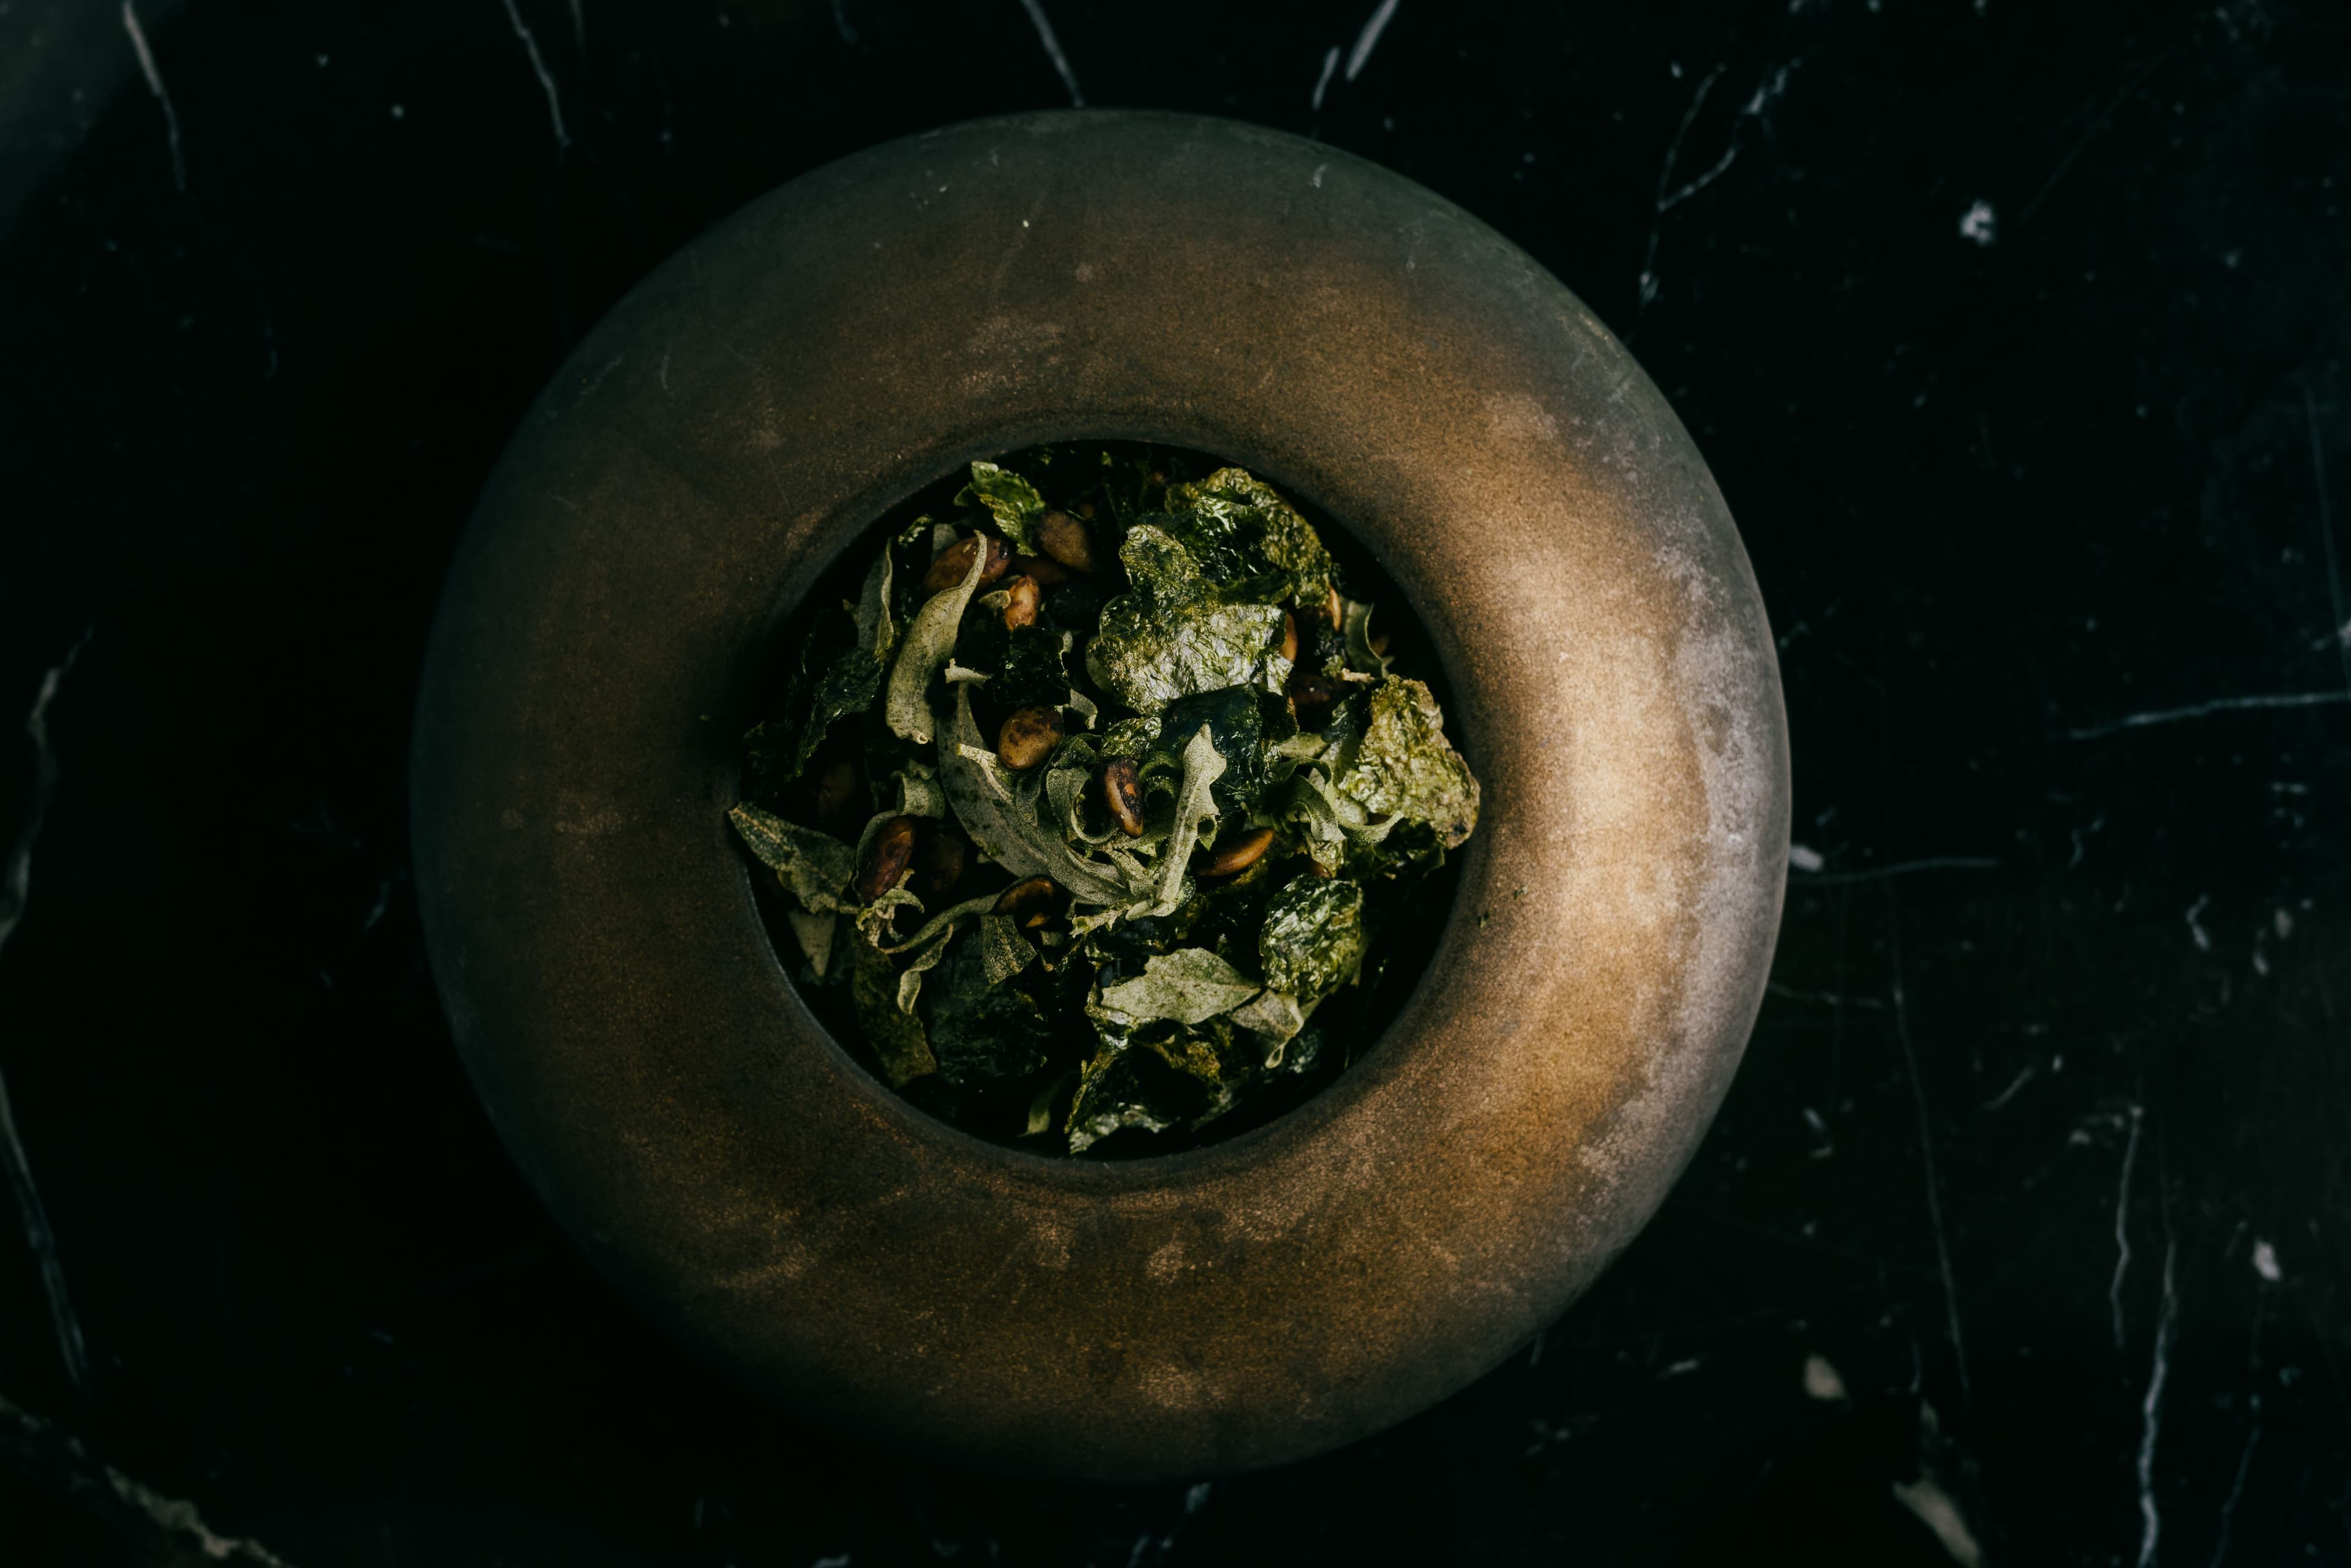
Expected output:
{"points": [[1404, 768], [982, 1032], [1173, 634], [895, 1036], [1121, 1088], [1313, 937], [1235, 722], [1024, 666], [1013, 501], [778, 751], [1249, 541]]}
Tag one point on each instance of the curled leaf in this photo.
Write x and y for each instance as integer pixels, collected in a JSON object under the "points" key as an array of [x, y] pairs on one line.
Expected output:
{"points": [[928, 646], [1247, 540], [1012, 501], [816, 867], [1404, 768]]}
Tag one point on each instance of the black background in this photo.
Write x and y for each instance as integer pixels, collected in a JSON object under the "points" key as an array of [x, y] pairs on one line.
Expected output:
{"points": [[2053, 1078]]}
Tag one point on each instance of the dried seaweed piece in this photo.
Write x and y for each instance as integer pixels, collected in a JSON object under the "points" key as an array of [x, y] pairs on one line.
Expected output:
{"points": [[982, 1032], [1406, 767], [895, 1036], [778, 752], [1249, 541], [1173, 634], [1116, 1092], [1313, 937]]}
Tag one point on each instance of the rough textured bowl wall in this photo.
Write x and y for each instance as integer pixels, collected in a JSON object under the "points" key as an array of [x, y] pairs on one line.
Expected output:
{"points": [[731, 427]]}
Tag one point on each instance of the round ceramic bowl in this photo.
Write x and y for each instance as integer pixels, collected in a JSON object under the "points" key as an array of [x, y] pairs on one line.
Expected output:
{"points": [[755, 406]]}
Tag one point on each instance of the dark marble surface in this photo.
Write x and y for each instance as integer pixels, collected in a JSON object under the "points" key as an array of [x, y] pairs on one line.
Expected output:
{"points": [[2016, 335]]}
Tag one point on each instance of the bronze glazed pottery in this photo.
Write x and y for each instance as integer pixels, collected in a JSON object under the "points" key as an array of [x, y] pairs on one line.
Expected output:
{"points": [[758, 402]]}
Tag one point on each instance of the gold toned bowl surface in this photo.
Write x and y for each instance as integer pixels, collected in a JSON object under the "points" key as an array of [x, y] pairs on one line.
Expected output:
{"points": [[745, 414]]}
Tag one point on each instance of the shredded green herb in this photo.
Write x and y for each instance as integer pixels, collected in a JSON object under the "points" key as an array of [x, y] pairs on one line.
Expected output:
{"points": [[1098, 812]]}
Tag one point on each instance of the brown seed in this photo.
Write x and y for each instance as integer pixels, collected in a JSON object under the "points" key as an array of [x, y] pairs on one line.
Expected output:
{"points": [[1046, 573], [1020, 608], [1028, 735], [887, 853], [1065, 539], [943, 861], [1333, 606], [836, 791], [1239, 854], [1311, 696], [1289, 636], [1122, 793], [948, 567], [1030, 902]]}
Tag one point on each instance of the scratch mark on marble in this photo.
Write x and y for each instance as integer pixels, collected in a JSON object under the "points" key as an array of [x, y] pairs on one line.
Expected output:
{"points": [[578, 29], [2016, 1083], [155, 85], [2195, 932], [2326, 535], [841, 22], [2089, 133], [546, 78], [1369, 38], [1927, 1499], [1036, 9], [166, 1527], [1323, 82], [2122, 1224], [1665, 183], [1899, 868], [2151, 1415], [2201, 710], [16, 888], [2253, 1420], [1925, 1139]]}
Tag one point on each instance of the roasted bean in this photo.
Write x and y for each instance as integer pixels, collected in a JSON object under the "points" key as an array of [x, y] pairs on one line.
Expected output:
{"points": [[1238, 854], [1020, 607], [1122, 793], [1028, 735], [1289, 636], [1046, 571], [1332, 605], [942, 861], [1030, 902], [948, 567], [886, 858], [1066, 540], [836, 793]]}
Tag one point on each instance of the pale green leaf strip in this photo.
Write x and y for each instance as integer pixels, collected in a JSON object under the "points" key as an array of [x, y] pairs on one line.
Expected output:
{"points": [[942, 925], [1003, 951], [1203, 765], [929, 645], [816, 867], [814, 933]]}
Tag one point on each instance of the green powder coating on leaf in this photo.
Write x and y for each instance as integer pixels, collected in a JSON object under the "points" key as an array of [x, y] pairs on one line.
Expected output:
{"points": [[1171, 634], [816, 867], [1313, 937], [1249, 541], [1406, 767], [1012, 501], [1190, 984]]}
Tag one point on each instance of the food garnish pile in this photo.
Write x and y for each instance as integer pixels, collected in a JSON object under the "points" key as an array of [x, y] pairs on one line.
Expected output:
{"points": [[1095, 793]]}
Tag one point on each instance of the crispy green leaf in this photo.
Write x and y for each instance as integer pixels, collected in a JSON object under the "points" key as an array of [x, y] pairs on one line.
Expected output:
{"points": [[895, 1038], [779, 752], [1014, 502], [1172, 633], [1248, 540], [1190, 986], [1236, 729], [1276, 1016], [1313, 937], [816, 867], [982, 1032], [929, 644], [1115, 1091], [1404, 767]]}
